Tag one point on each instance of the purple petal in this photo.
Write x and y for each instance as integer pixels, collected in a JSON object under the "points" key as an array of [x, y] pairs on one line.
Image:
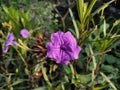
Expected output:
{"points": [[74, 52], [5, 49], [56, 38], [25, 33], [62, 57], [14, 43], [69, 39], [65, 58], [66, 62], [77, 51], [72, 48], [10, 39], [53, 51], [9, 42]]}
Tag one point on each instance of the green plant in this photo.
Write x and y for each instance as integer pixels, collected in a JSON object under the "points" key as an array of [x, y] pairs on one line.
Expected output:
{"points": [[27, 66]]}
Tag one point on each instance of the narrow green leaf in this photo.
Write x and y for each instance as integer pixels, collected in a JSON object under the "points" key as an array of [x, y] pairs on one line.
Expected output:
{"points": [[102, 7], [89, 9], [116, 22], [45, 76], [74, 23], [104, 28], [108, 80], [41, 88], [80, 7], [93, 57], [18, 82], [99, 87]]}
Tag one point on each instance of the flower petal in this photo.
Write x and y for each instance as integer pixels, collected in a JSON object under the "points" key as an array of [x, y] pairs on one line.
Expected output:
{"points": [[9, 42], [76, 52], [25, 33], [56, 38], [5, 48], [69, 39], [10, 39], [65, 58], [14, 43], [53, 51]]}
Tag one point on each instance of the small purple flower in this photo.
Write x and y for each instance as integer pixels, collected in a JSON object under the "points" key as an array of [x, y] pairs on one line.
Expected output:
{"points": [[63, 47], [10, 41], [25, 33]]}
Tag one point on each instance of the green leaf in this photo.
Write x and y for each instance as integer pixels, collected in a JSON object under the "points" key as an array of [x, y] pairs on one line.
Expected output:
{"points": [[100, 87], [108, 68], [80, 7], [83, 78], [74, 23], [108, 80], [18, 82], [37, 68], [111, 59], [45, 76], [67, 86], [116, 23], [102, 7], [88, 11], [67, 70], [41, 88]]}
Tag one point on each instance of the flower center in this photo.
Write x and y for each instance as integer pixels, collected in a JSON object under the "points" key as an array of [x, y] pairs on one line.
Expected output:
{"points": [[63, 47]]}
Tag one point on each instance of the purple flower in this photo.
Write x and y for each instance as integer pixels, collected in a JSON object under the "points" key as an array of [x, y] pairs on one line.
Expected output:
{"points": [[25, 33], [63, 47], [10, 41]]}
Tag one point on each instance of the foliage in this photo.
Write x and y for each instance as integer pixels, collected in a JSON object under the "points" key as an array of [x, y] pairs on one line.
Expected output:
{"points": [[26, 66]]}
